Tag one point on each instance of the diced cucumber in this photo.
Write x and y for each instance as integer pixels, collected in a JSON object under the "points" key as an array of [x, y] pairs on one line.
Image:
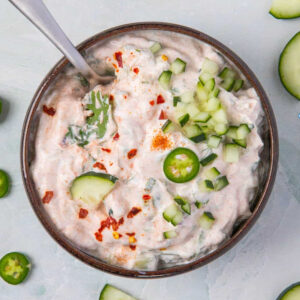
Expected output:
{"points": [[227, 84], [170, 234], [214, 141], [202, 93], [214, 93], [183, 119], [210, 84], [179, 200], [176, 99], [213, 104], [210, 66], [178, 66], [221, 128], [198, 204], [92, 187], [186, 208], [208, 159], [198, 138], [194, 133], [242, 142], [177, 219], [207, 220], [205, 129], [165, 79], [242, 131], [201, 117], [221, 183], [232, 132], [206, 186], [192, 109], [168, 126], [231, 153], [290, 293], [155, 47], [238, 85], [227, 73], [212, 173], [283, 9], [173, 214], [109, 292], [187, 97], [205, 77], [220, 116]]}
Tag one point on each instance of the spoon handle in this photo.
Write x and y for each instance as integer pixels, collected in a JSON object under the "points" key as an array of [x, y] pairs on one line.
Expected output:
{"points": [[39, 15]]}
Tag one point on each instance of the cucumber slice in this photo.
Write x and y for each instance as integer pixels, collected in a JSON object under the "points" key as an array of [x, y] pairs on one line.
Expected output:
{"points": [[177, 219], [210, 66], [289, 66], [242, 142], [155, 47], [291, 293], [187, 97], [221, 183], [198, 204], [183, 119], [228, 84], [213, 104], [227, 73], [186, 208], [192, 109], [164, 79], [214, 93], [179, 200], [207, 220], [194, 133], [210, 84], [220, 116], [208, 159], [214, 141], [201, 92], [201, 117], [176, 99], [178, 66], [238, 85], [173, 214], [232, 132], [285, 9], [242, 131], [170, 234], [221, 128], [231, 153], [206, 186], [168, 127], [212, 173], [205, 77], [109, 292], [92, 187]]}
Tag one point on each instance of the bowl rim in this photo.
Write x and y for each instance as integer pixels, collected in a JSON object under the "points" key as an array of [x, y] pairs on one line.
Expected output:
{"points": [[175, 270]]}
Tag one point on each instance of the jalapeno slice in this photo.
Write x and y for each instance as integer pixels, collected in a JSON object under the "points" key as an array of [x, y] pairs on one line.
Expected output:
{"points": [[14, 267], [4, 183], [181, 165]]}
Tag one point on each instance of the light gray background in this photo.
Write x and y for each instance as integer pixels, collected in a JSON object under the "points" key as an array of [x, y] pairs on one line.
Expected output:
{"points": [[263, 263]]}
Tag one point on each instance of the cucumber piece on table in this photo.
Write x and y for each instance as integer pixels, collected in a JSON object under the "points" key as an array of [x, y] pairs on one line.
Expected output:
{"points": [[285, 9], [210, 66], [291, 293], [178, 66], [155, 47], [207, 220], [170, 234], [109, 292], [289, 66], [208, 159], [231, 153], [212, 173], [214, 141], [221, 183], [168, 126], [165, 79], [92, 187], [183, 119]]}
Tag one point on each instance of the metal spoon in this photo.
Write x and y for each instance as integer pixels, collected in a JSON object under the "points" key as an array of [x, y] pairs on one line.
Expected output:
{"points": [[39, 15]]}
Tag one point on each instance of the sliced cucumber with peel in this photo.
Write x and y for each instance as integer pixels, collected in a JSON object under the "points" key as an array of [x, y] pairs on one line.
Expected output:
{"points": [[168, 127], [231, 153], [173, 214], [176, 99], [170, 234], [214, 141], [210, 66], [221, 183], [92, 187], [155, 47], [109, 292], [164, 79], [194, 133], [178, 66], [285, 9], [290, 293], [183, 119], [206, 186], [201, 117], [211, 173], [208, 159], [207, 220]]}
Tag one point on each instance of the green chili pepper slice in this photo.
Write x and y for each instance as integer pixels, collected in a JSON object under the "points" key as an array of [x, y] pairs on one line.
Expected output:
{"points": [[4, 183], [181, 165], [14, 267]]}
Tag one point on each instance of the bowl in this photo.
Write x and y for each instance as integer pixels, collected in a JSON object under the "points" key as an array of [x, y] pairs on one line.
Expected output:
{"points": [[267, 168]]}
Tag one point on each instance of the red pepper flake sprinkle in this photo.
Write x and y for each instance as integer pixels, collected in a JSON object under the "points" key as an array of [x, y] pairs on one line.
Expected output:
{"points": [[106, 150], [49, 110], [118, 57], [163, 116], [111, 98], [132, 153], [136, 70], [47, 197], [160, 99], [107, 223], [116, 136], [146, 197], [133, 212], [132, 247], [152, 102], [100, 166], [121, 221], [130, 233], [83, 213], [161, 142]]}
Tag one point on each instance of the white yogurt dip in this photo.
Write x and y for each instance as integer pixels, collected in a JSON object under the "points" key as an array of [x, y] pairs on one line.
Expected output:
{"points": [[133, 149]]}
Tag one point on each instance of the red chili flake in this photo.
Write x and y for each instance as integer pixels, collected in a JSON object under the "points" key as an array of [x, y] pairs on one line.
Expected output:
{"points": [[49, 110], [106, 150], [118, 57], [116, 136], [132, 247], [121, 221], [136, 70], [146, 197], [132, 153], [100, 166], [98, 236], [120, 235], [47, 197], [83, 213], [152, 102], [107, 223], [130, 233], [111, 97], [163, 116], [115, 66], [134, 211], [160, 99]]}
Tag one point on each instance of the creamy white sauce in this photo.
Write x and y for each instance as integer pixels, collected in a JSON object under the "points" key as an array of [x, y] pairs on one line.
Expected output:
{"points": [[57, 163]]}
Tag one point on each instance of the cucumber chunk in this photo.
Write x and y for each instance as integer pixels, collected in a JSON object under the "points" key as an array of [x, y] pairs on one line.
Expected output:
{"points": [[214, 141], [173, 214], [176, 99], [213, 104], [170, 234], [220, 116], [291, 293], [228, 84], [155, 47], [221, 183], [242, 131], [241, 142], [109, 292], [212, 173], [205, 77], [231, 153], [194, 133], [285, 9], [201, 92], [183, 119], [232, 132], [202, 117], [92, 187], [207, 220], [210, 66], [179, 200], [187, 97], [208, 159], [186, 208], [206, 186], [210, 84], [238, 85], [168, 127], [178, 66], [289, 66], [227, 73], [198, 204], [177, 219], [165, 79], [221, 128]]}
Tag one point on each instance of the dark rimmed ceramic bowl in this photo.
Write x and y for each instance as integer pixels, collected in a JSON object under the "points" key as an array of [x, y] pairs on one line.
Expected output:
{"points": [[267, 169]]}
